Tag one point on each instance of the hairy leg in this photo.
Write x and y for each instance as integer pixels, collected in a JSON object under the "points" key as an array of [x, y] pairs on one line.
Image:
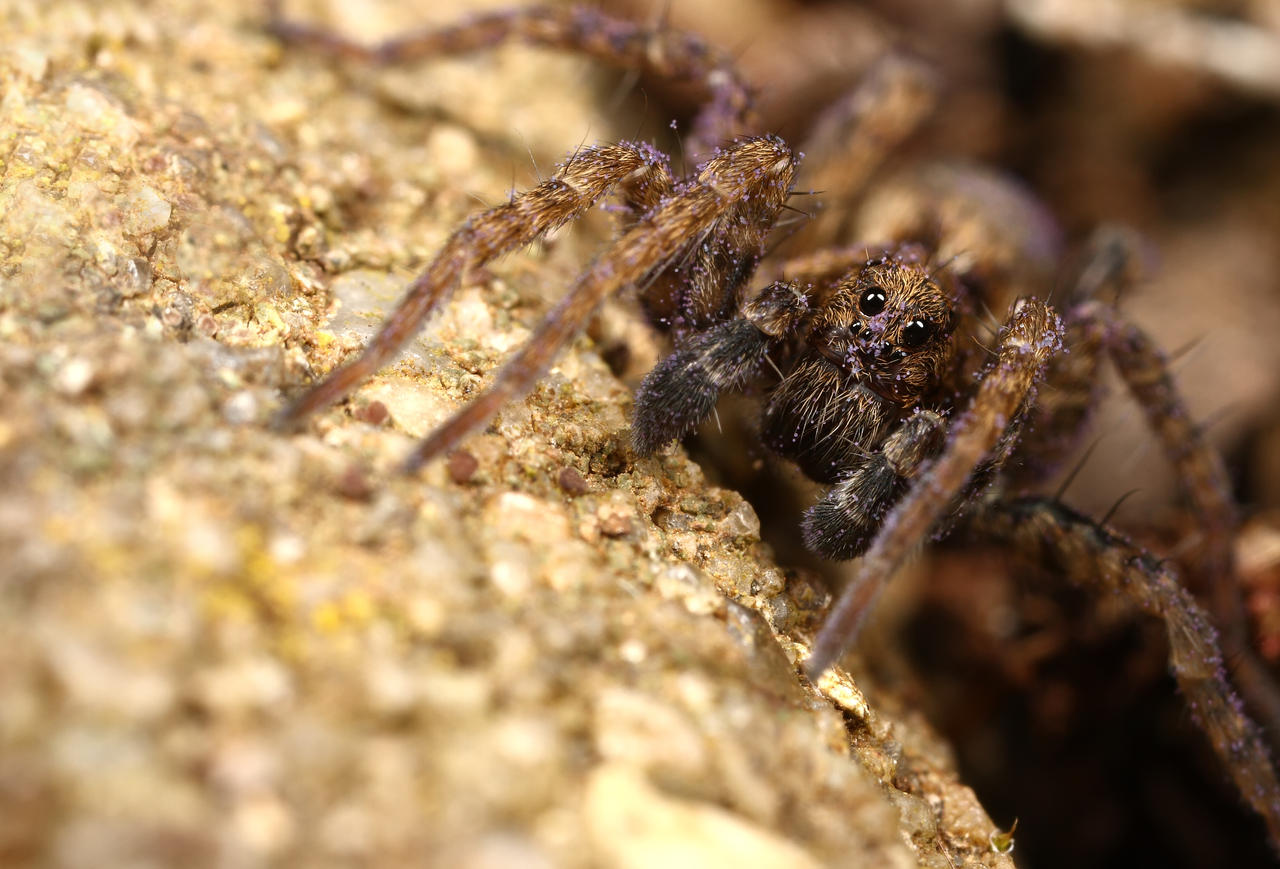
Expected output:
{"points": [[842, 524], [1204, 481], [1032, 336], [1045, 532], [744, 184], [855, 136], [682, 390], [1096, 328], [669, 54], [1198, 467], [576, 185]]}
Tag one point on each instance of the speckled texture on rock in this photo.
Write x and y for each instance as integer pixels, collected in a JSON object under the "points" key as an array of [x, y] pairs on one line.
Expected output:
{"points": [[225, 646]]}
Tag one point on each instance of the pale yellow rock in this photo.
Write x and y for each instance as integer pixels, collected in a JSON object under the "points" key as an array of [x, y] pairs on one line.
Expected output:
{"points": [[636, 826]]}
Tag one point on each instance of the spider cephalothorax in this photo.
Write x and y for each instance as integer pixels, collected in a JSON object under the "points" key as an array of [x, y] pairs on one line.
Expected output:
{"points": [[873, 350], [870, 369], [889, 328]]}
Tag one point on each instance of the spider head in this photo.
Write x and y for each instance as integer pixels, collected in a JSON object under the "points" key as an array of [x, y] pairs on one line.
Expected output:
{"points": [[888, 326]]}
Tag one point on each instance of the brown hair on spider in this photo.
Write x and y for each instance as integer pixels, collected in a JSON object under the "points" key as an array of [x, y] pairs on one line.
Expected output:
{"points": [[889, 326]]}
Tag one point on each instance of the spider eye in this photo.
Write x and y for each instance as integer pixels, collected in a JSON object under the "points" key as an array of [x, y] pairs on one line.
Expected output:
{"points": [[916, 333], [872, 301]]}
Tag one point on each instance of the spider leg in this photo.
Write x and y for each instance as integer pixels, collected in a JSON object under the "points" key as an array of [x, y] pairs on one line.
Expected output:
{"points": [[576, 185], [1073, 387], [1198, 466], [745, 183], [841, 525], [1091, 556], [682, 390], [853, 138], [706, 287], [666, 53], [1097, 328], [1089, 553], [1203, 478], [1033, 334]]}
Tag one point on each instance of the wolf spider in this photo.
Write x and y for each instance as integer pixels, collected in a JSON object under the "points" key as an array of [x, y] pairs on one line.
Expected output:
{"points": [[869, 358]]}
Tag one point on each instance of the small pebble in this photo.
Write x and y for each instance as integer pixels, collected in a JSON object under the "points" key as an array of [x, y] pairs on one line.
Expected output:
{"points": [[571, 482], [462, 466], [354, 484], [374, 413]]}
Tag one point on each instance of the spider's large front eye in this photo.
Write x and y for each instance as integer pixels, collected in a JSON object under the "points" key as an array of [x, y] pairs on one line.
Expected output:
{"points": [[916, 333], [872, 301]]}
